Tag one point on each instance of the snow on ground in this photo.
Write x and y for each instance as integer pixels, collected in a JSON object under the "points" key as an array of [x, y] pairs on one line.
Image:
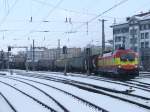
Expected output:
{"points": [[111, 104], [89, 81], [8, 72], [103, 84], [4, 107], [71, 104], [21, 102], [4, 73], [33, 92], [108, 103], [144, 80]]}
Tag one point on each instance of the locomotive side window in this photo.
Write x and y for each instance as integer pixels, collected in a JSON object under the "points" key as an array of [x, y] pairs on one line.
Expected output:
{"points": [[127, 57]]}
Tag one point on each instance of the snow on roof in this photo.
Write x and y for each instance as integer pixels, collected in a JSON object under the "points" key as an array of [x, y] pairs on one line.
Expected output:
{"points": [[107, 54], [145, 17], [140, 17]]}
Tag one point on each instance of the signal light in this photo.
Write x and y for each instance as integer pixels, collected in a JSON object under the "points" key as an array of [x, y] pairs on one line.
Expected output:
{"points": [[64, 50], [9, 48]]}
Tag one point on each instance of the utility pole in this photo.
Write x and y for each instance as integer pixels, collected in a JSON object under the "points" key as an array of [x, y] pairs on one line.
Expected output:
{"points": [[65, 59], [88, 54], [33, 54], [87, 28], [26, 59], [103, 35], [8, 55], [58, 50]]}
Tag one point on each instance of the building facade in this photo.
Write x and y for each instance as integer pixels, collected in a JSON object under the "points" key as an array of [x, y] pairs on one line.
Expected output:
{"points": [[134, 34]]}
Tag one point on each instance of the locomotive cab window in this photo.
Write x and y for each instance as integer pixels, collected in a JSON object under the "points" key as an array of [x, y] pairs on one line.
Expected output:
{"points": [[127, 57]]}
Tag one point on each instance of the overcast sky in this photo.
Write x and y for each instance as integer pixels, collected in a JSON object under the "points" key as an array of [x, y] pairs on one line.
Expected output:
{"points": [[17, 29]]}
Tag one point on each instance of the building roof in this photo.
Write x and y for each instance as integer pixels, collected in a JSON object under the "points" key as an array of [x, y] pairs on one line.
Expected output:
{"points": [[140, 17]]}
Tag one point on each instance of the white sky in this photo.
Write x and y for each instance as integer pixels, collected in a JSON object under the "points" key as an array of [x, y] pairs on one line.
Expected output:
{"points": [[15, 28]]}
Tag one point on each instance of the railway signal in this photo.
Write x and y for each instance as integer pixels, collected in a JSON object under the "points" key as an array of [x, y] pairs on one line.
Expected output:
{"points": [[65, 58], [88, 53], [9, 48], [64, 49]]}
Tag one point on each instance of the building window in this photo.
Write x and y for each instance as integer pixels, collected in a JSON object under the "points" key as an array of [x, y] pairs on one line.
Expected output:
{"points": [[148, 26], [123, 39], [142, 44], [142, 35], [144, 26], [141, 27], [146, 44], [133, 40], [133, 32], [116, 31], [117, 39], [124, 30], [146, 35], [117, 46]]}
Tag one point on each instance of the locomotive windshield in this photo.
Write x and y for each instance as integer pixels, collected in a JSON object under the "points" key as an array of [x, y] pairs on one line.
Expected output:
{"points": [[127, 57]]}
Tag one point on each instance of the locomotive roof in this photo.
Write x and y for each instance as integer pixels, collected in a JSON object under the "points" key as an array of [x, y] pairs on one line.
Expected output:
{"points": [[116, 52], [107, 54]]}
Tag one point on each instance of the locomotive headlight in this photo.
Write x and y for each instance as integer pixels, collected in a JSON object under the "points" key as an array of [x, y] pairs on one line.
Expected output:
{"points": [[136, 66], [119, 66]]}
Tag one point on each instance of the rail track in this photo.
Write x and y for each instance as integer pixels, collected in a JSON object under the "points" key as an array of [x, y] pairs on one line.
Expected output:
{"points": [[34, 99], [99, 90], [128, 83], [60, 105], [91, 105], [139, 83], [8, 102]]}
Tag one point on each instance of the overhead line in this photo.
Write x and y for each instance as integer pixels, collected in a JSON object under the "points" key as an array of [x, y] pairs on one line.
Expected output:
{"points": [[47, 15], [54, 8], [73, 11], [5, 17], [114, 6], [65, 9]]}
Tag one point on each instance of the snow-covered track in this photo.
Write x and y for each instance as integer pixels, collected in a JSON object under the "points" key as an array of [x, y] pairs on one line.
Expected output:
{"points": [[113, 81], [141, 84], [72, 82], [93, 87], [60, 105], [87, 103], [11, 106], [96, 89], [38, 101]]}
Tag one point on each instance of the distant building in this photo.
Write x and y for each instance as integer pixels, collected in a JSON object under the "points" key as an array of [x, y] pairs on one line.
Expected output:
{"points": [[42, 53], [38, 53], [134, 33], [3, 59], [71, 52]]}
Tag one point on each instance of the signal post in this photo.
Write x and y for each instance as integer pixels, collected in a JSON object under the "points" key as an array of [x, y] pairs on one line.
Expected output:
{"points": [[65, 59]]}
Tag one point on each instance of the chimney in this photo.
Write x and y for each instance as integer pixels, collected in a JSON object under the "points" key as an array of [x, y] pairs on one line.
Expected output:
{"points": [[128, 18]]}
